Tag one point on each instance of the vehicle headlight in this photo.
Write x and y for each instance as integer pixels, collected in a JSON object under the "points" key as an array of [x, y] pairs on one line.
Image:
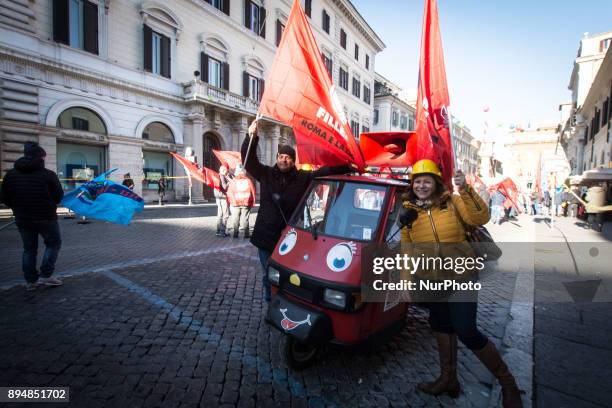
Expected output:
{"points": [[335, 297], [273, 275]]}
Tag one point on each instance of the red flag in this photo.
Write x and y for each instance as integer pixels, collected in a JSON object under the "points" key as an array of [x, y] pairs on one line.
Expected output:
{"points": [[229, 158], [203, 174], [433, 140], [475, 181], [509, 189], [300, 93]]}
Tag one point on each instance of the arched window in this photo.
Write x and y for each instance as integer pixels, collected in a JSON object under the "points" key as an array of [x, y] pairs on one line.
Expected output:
{"points": [[158, 132], [81, 119]]}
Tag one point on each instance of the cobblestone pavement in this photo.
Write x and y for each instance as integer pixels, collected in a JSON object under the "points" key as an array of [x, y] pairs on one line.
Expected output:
{"points": [[163, 313]]}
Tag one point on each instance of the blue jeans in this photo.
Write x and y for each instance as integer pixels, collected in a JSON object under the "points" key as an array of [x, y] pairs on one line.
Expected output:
{"points": [[459, 318], [50, 232], [264, 257], [496, 213]]}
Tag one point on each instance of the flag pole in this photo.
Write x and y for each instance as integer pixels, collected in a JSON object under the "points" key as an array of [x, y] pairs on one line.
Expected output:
{"points": [[246, 158], [452, 136]]}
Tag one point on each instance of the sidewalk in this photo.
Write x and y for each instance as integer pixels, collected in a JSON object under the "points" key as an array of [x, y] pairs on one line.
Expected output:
{"points": [[572, 334]]}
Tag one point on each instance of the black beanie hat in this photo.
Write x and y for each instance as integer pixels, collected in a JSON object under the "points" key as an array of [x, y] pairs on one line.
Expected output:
{"points": [[31, 149], [288, 150]]}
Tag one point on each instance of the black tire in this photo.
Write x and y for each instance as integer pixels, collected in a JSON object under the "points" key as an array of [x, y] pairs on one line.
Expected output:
{"points": [[299, 356]]}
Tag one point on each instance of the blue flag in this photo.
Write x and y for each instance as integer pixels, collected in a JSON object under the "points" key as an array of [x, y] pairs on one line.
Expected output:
{"points": [[104, 200]]}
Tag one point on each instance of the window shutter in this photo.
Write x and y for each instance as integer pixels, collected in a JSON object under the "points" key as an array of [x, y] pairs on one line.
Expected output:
{"points": [[165, 57], [203, 66], [262, 22], [279, 31], [308, 7], [247, 13], [245, 84], [262, 84], [148, 48], [225, 76], [60, 21], [226, 7], [90, 27]]}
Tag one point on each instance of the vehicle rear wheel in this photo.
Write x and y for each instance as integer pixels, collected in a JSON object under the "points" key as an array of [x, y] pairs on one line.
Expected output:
{"points": [[299, 356]]}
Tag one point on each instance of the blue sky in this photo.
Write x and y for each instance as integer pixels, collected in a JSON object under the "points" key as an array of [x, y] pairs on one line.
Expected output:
{"points": [[514, 56]]}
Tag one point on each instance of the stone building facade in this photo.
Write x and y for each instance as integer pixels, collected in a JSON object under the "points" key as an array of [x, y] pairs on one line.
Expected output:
{"points": [[104, 84]]}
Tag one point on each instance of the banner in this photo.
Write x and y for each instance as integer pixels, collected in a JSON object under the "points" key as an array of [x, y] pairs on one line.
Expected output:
{"points": [[509, 189], [105, 200], [433, 140], [229, 158], [300, 93], [203, 174]]}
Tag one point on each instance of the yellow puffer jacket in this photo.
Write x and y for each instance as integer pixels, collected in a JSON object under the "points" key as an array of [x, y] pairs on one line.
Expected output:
{"points": [[441, 223], [444, 223]]}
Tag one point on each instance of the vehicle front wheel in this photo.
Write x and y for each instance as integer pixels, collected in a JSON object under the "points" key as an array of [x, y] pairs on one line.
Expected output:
{"points": [[299, 356]]}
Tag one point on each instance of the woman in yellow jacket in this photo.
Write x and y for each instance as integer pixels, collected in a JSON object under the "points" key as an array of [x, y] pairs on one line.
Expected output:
{"points": [[441, 219]]}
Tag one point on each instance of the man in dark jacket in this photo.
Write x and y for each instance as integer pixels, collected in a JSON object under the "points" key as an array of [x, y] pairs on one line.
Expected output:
{"points": [[33, 193], [287, 185]]}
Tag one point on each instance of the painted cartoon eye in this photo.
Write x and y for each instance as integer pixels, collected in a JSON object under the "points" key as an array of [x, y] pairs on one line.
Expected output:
{"points": [[340, 256], [288, 242]]}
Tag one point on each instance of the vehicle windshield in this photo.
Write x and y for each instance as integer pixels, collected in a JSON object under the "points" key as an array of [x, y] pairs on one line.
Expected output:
{"points": [[342, 209]]}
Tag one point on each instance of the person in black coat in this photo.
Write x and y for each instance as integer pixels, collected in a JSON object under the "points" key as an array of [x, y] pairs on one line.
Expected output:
{"points": [[33, 192], [284, 182]]}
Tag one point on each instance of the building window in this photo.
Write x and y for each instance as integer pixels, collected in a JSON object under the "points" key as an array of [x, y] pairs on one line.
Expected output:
{"points": [[365, 129], [404, 122], [77, 163], [343, 79], [81, 119], [375, 116], [222, 5], [343, 39], [328, 64], [280, 28], [214, 71], [156, 52], [156, 165], [356, 87], [326, 22], [604, 44], [356, 52], [75, 23], [308, 7], [394, 118], [367, 62], [255, 18], [158, 132], [355, 128], [604, 117], [366, 94], [252, 87], [410, 122]]}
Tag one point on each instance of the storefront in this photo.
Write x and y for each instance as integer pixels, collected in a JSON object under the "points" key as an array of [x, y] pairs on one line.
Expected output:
{"points": [[79, 162], [156, 160]]}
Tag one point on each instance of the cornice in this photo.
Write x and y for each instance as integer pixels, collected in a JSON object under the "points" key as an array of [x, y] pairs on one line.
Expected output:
{"points": [[46, 71]]}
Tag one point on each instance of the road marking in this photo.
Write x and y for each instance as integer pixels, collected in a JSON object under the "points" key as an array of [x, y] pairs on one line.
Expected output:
{"points": [[130, 263], [206, 334]]}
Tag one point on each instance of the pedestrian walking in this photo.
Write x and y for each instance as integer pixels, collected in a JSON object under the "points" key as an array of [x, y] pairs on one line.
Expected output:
{"points": [[161, 189], [241, 195], [441, 219], [282, 186], [497, 206], [221, 200], [127, 181], [33, 193]]}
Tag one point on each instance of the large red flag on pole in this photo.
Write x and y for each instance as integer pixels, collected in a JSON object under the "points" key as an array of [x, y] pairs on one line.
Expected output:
{"points": [[433, 139], [203, 174], [229, 158], [300, 93]]}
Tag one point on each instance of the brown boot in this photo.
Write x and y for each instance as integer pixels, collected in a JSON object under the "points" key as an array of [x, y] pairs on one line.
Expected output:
{"points": [[490, 357], [447, 381]]}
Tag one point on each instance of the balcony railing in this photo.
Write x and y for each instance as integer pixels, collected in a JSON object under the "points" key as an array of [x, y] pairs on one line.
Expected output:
{"points": [[202, 91]]}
